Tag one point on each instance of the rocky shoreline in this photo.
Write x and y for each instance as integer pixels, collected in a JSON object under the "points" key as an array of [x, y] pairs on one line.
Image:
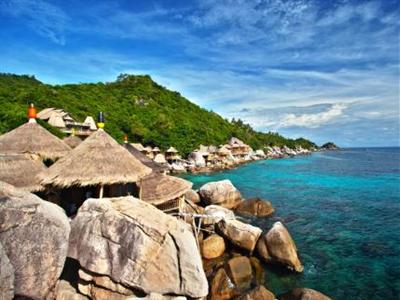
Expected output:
{"points": [[124, 248], [196, 164]]}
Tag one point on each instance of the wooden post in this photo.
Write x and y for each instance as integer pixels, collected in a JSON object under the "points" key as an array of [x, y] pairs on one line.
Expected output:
{"points": [[101, 191]]}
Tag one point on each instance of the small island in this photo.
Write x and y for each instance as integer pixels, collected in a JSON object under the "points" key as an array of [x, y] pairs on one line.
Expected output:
{"points": [[329, 146]]}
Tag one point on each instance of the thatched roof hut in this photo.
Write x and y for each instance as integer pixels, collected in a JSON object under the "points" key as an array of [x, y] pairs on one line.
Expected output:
{"points": [[156, 167], [99, 160], [21, 172], [160, 188], [89, 121], [56, 121], [31, 138], [73, 141], [160, 158], [171, 150], [148, 149]]}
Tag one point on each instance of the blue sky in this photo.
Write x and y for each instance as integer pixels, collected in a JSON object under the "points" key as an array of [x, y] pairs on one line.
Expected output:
{"points": [[325, 70]]}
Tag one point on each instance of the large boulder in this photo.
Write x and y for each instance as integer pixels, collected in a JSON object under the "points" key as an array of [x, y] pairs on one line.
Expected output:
{"points": [[303, 294], [240, 271], [213, 246], [138, 246], [222, 287], [277, 246], [220, 192], [6, 276], [197, 158], [34, 234], [240, 234], [258, 293], [255, 207], [216, 213], [192, 196]]}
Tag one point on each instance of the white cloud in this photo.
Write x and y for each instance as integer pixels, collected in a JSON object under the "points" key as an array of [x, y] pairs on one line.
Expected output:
{"points": [[313, 120], [46, 19]]}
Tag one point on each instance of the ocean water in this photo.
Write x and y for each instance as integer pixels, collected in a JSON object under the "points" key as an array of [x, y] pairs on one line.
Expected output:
{"points": [[343, 210]]}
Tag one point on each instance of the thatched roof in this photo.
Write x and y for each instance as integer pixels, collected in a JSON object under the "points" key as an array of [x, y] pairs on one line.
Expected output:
{"points": [[148, 149], [172, 150], [159, 188], [156, 167], [73, 141], [90, 122], [56, 121], [97, 160], [160, 158], [21, 172], [47, 113], [33, 139]]}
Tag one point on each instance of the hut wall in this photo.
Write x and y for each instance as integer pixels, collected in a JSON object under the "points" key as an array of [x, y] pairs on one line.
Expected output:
{"points": [[119, 190]]}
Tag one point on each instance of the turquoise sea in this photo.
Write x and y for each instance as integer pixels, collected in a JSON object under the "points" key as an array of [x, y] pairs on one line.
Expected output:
{"points": [[343, 211]]}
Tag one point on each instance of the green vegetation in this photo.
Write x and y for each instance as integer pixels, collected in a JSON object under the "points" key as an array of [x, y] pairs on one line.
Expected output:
{"points": [[136, 105]]}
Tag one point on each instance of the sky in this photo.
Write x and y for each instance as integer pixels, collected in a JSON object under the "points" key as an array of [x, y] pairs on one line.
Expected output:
{"points": [[323, 70]]}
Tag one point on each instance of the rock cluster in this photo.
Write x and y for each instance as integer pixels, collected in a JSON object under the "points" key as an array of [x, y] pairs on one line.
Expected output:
{"points": [[124, 248]]}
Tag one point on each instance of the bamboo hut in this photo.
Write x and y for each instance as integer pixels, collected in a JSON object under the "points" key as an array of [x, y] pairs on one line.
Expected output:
{"points": [[20, 171], [90, 122], [164, 192], [31, 138], [171, 154], [149, 152], [160, 158], [156, 167], [99, 166], [63, 120]]}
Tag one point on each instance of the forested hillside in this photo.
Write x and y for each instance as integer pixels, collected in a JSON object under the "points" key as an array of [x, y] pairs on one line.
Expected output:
{"points": [[136, 105]]}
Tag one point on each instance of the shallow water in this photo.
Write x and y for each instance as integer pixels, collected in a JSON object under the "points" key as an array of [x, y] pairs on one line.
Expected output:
{"points": [[343, 211]]}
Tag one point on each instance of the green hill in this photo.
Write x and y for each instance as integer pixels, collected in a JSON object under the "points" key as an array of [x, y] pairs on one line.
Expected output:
{"points": [[136, 105]]}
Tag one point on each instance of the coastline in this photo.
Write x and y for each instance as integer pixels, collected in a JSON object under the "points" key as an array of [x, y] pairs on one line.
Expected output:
{"points": [[187, 166]]}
